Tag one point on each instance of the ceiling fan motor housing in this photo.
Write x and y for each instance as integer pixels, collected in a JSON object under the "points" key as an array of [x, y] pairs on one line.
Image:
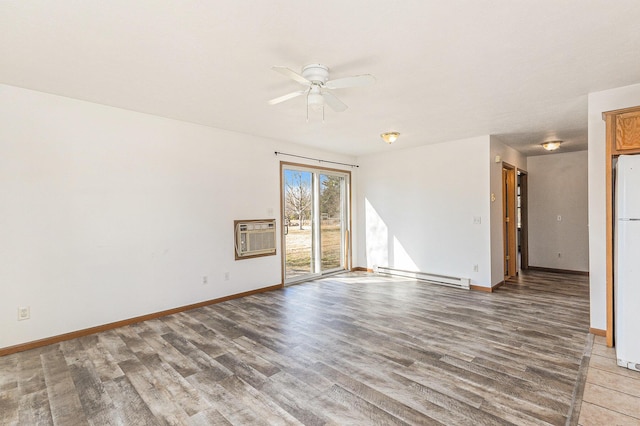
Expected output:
{"points": [[316, 73]]}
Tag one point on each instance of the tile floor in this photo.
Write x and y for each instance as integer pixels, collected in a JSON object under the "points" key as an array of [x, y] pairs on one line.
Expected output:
{"points": [[611, 393]]}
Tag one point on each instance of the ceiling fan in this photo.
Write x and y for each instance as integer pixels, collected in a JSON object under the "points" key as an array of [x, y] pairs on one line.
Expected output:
{"points": [[315, 78]]}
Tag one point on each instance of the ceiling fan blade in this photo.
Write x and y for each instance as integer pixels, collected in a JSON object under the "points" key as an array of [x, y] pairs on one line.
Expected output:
{"points": [[336, 104], [355, 81], [286, 97], [292, 75]]}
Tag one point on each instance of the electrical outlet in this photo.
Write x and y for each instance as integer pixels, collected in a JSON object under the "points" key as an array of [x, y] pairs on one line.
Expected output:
{"points": [[226, 276], [477, 220], [24, 313], [205, 279], [475, 268]]}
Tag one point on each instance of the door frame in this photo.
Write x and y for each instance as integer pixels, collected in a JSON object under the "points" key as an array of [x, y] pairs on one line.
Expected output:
{"points": [[347, 221], [524, 219], [509, 221]]}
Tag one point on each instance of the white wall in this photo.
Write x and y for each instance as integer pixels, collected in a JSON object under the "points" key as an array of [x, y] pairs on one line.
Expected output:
{"points": [[558, 187], [108, 214], [514, 158], [417, 206], [608, 100]]}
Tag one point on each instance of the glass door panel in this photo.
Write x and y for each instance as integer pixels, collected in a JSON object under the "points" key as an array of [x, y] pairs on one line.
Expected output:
{"points": [[331, 222], [298, 223]]}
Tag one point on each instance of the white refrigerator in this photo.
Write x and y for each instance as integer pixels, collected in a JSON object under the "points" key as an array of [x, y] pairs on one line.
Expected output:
{"points": [[627, 262]]}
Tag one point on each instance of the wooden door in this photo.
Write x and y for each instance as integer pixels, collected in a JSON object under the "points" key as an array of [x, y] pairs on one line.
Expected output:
{"points": [[509, 220]]}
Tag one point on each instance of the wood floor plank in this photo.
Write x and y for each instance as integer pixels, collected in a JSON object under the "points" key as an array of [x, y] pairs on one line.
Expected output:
{"points": [[117, 348], [296, 398], [158, 345], [183, 394], [129, 407], [30, 373], [472, 414], [10, 370], [34, 409], [259, 402], [400, 411], [103, 362], [157, 398], [208, 418], [616, 382], [9, 404], [63, 396], [595, 415], [381, 379], [625, 404], [225, 402], [370, 412], [494, 401], [605, 364], [96, 402]]}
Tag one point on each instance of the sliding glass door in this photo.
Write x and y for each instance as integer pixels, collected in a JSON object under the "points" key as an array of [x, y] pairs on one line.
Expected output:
{"points": [[316, 221]]}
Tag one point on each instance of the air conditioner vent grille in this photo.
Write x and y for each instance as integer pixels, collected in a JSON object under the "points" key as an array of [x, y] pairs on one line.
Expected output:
{"points": [[255, 238]]}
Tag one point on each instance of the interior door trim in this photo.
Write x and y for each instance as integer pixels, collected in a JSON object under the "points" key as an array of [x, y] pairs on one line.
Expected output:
{"points": [[509, 228]]}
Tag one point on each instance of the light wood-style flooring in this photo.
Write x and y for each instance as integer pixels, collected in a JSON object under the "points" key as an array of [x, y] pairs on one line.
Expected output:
{"points": [[349, 349], [611, 394]]}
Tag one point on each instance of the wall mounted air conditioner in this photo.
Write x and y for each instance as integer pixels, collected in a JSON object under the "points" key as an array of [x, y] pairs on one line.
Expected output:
{"points": [[255, 238]]}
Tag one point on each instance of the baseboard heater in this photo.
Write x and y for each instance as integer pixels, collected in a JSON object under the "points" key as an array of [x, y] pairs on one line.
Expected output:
{"points": [[457, 282]]}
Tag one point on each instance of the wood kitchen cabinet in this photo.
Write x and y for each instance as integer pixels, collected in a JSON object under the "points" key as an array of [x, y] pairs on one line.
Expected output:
{"points": [[623, 128]]}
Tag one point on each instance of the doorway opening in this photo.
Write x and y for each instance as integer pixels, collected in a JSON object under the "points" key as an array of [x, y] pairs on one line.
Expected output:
{"points": [[316, 221], [509, 222], [523, 221]]}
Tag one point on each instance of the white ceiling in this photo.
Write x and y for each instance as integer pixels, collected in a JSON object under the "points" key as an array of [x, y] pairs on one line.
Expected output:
{"points": [[517, 69]]}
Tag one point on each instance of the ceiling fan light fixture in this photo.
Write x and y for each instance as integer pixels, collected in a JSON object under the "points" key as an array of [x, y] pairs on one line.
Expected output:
{"points": [[390, 137], [315, 100], [551, 145]]}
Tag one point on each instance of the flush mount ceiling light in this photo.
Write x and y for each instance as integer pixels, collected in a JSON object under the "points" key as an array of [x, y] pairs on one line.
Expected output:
{"points": [[551, 145], [390, 137]]}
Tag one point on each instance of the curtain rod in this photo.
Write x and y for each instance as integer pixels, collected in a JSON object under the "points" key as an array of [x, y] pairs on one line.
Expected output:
{"points": [[315, 159]]}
